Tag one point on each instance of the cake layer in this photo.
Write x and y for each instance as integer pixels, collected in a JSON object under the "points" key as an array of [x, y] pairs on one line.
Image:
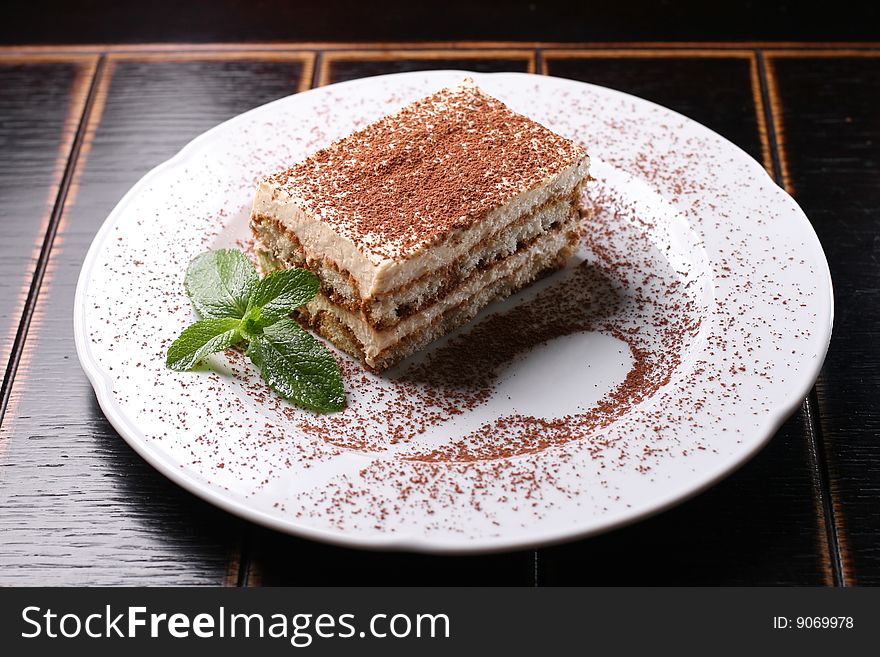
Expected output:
{"points": [[332, 324], [372, 275], [378, 348], [384, 310]]}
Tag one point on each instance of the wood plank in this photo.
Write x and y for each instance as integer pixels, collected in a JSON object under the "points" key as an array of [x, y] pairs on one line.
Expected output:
{"points": [[719, 91], [350, 65], [77, 505], [763, 525], [278, 560], [829, 128], [41, 100], [698, 542]]}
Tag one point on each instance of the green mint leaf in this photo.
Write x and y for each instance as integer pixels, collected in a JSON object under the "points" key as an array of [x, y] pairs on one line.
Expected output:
{"points": [[235, 305], [280, 293], [219, 283], [205, 337], [297, 366]]}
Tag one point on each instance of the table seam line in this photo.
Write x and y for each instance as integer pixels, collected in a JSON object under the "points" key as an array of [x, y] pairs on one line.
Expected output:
{"points": [[815, 444], [64, 187]]}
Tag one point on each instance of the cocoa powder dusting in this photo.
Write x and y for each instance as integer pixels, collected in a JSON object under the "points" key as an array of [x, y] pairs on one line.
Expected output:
{"points": [[654, 318], [437, 165]]}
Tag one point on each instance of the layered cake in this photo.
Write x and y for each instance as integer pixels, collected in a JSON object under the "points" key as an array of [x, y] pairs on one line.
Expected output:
{"points": [[416, 222]]}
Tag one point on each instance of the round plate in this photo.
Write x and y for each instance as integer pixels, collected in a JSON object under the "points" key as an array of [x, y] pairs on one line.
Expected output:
{"points": [[691, 323]]}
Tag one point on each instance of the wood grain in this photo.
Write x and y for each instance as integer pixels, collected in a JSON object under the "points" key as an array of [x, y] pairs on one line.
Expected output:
{"points": [[40, 105], [349, 65], [77, 505], [278, 560], [716, 91], [763, 525], [829, 128]]}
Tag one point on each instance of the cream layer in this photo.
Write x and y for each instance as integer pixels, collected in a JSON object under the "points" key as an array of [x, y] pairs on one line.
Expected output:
{"points": [[375, 341], [375, 274]]}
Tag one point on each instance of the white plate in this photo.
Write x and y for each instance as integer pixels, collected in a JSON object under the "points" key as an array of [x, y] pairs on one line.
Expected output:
{"points": [[690, 325]]}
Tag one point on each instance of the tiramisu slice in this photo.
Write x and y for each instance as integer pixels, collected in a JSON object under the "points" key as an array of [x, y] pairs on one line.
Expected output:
{"points": [[416, 222]]}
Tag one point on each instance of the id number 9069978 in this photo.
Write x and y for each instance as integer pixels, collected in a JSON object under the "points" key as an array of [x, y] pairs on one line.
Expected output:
{"points": [[813, 623]]}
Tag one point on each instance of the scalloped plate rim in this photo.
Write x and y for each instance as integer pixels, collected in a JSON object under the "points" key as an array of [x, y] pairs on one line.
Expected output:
{"points": [[102, 383]]}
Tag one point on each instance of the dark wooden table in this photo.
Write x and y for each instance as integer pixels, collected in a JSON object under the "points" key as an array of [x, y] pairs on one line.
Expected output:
{"points": [[80, 125]]}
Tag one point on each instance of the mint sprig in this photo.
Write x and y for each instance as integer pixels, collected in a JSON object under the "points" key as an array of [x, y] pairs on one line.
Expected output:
{"points": [[237, 306]]}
